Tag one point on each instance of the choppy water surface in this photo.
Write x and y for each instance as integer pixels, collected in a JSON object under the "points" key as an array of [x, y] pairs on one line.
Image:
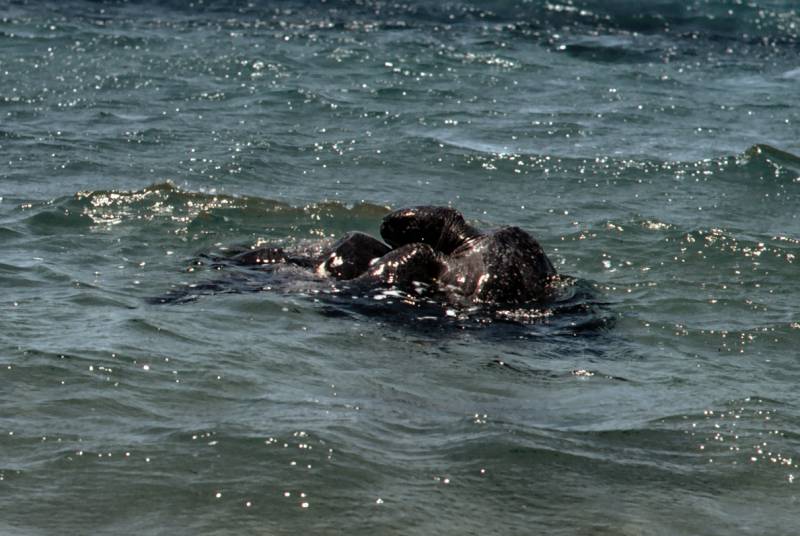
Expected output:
{"points": [[652, 149]]}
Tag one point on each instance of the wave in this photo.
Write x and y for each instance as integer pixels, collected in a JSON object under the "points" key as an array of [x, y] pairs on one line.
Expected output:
{"points": [[186, 210], [761, 159], [720, 19], [183, 212], [768, 22], [763, 153]]}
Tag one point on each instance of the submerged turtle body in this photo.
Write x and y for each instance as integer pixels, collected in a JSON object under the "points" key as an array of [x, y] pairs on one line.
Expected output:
{"points": [[430, 249]]}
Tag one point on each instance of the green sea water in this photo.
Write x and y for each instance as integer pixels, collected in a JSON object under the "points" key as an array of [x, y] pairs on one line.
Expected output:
{"points": [[651, 147]]}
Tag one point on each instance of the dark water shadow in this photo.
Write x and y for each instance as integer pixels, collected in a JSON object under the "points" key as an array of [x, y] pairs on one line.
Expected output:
{"points": [[574, 311]]}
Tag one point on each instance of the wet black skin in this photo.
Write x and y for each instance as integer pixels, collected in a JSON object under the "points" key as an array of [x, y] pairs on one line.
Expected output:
{"points": [[404, 267], [500, 266], [348, 257], [503, 266], [442, 228], [436, 247], [351, 256]]}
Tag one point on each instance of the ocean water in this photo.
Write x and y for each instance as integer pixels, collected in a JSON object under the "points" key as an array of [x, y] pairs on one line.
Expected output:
{"points": [[653, 148]]}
